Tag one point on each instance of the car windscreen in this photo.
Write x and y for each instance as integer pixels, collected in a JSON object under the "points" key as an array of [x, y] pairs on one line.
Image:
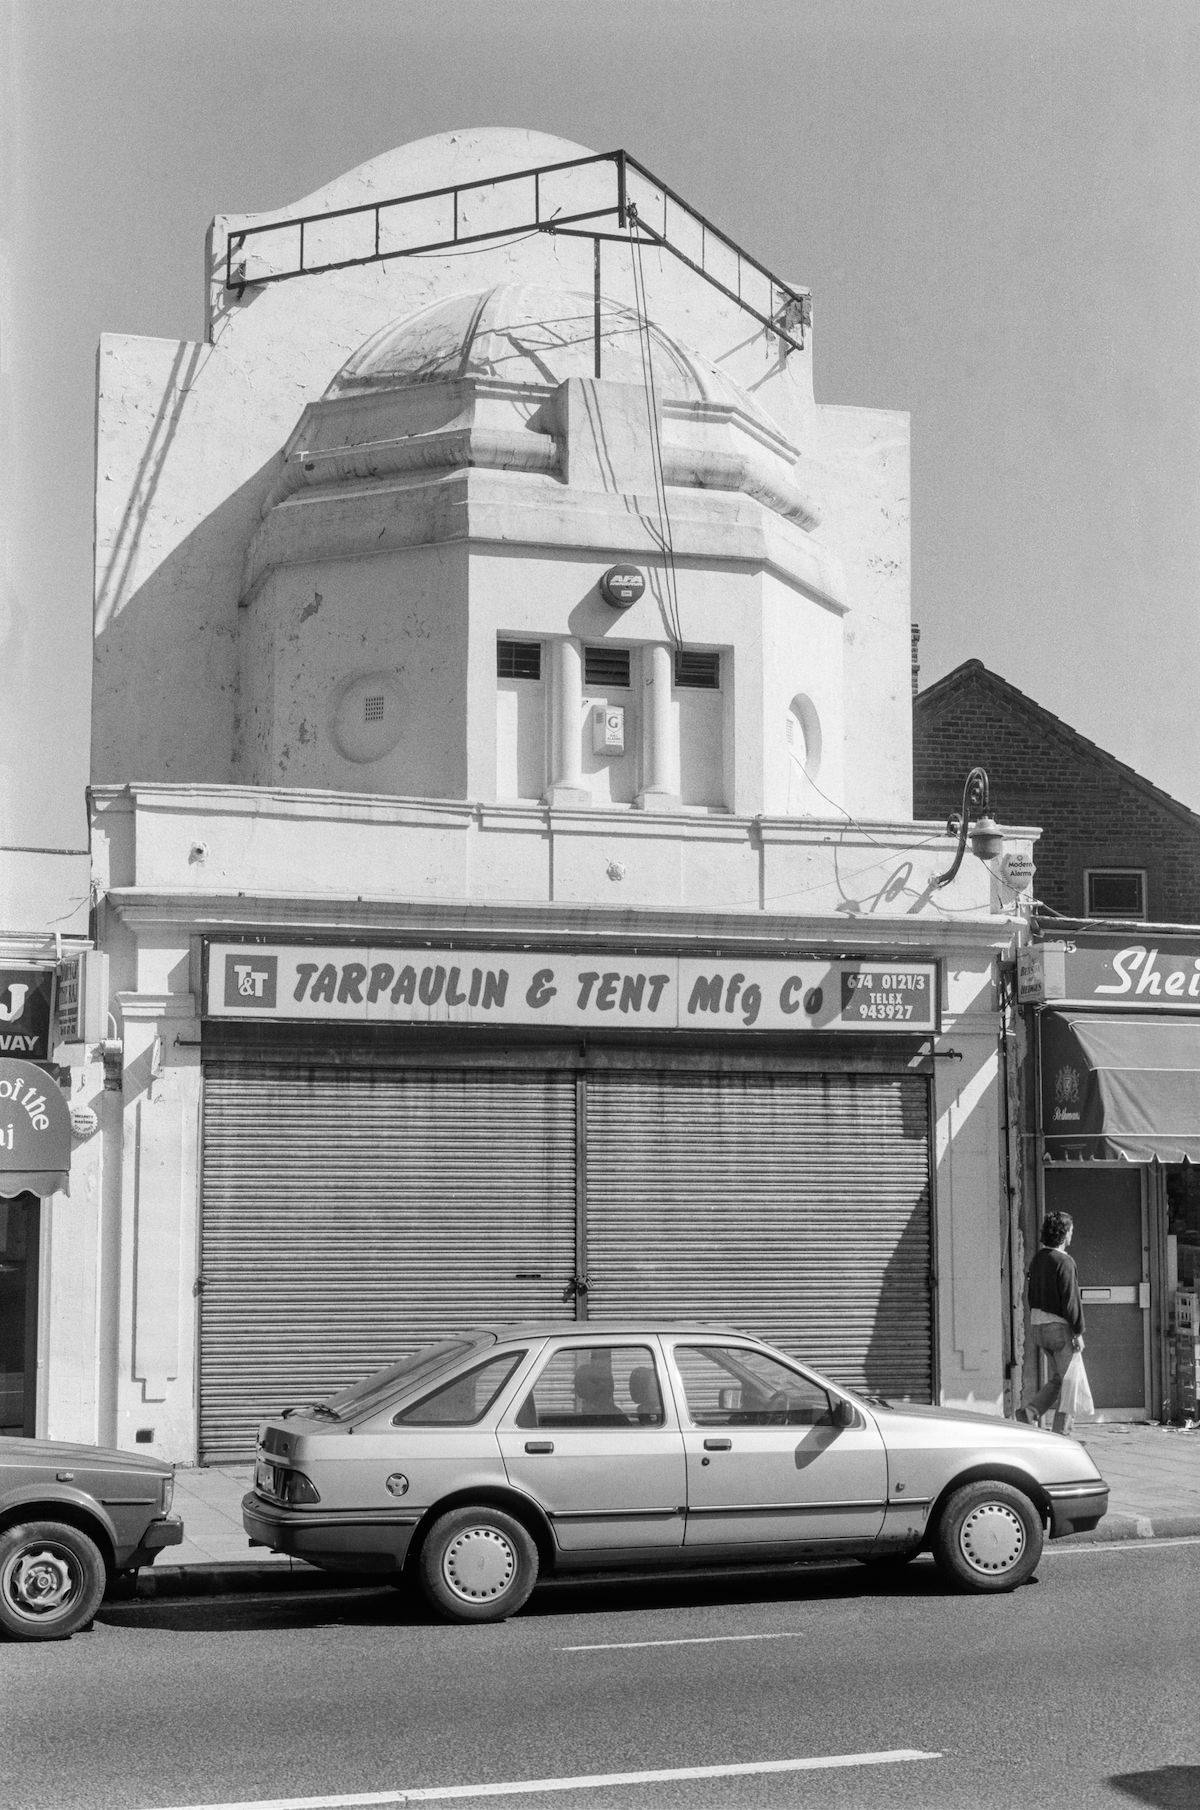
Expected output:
{"points": [[382, 1386]]}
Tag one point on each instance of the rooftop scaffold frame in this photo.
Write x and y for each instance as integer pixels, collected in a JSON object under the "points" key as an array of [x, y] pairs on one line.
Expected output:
{"points": [[577, 198]]}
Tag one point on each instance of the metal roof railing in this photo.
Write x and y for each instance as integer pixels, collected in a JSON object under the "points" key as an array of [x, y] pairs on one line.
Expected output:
{"points": [[607, 196]]}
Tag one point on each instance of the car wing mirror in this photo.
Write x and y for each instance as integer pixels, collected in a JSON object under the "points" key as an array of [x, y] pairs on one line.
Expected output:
{"points": [[843, 1413]]}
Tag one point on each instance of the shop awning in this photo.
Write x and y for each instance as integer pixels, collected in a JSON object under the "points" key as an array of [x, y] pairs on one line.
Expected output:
{"points": [[35, 1131], [1121, 1087]]}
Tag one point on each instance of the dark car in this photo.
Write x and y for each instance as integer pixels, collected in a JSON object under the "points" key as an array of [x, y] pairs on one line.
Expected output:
{"points": [[72, 1517], [478, 1464]]}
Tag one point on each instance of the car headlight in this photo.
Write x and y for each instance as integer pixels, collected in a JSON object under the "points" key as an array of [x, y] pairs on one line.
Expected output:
{"points": [[168, 1493]]}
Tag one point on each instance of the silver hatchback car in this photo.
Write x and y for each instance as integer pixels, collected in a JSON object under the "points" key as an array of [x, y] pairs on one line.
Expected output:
{"points": [[478, 1464]]}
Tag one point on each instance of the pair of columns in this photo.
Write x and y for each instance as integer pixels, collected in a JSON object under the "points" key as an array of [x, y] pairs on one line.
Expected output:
{"points": [[660, 758]]}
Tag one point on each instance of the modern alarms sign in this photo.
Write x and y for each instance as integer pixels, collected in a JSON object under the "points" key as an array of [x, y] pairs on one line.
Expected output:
{"points": [[573, 991]]}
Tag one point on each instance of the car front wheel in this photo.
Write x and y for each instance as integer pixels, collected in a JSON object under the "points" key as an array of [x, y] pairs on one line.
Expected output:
{"points": [[989, 1537], [477, 1564], [52, 1580]]}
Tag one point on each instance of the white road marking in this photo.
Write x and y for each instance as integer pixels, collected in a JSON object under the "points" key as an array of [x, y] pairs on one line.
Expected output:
{"points": [[686, 1640], [432, 1794]]}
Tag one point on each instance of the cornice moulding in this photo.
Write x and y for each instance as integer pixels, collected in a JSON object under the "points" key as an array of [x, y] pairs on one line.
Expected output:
{"points": [[231, 915]]}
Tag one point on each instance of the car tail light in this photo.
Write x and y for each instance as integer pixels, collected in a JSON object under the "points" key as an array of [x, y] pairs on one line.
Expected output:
{"points": [[295, 1489], [168, 1495]]}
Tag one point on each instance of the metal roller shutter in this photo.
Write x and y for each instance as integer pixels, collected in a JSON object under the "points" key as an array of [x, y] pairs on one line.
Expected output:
{"points": [[794, 1206], [348, 1214]]}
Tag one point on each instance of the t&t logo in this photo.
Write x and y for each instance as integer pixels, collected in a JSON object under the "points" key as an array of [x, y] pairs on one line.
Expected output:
{"points": [[250, 980]]}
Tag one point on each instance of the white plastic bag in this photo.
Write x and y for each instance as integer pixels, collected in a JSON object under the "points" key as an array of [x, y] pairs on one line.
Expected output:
{"points": [[1075, 1396]]}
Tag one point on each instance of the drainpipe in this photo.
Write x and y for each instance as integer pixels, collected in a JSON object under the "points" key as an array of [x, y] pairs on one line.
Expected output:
{"points": [[1012, 1187]]}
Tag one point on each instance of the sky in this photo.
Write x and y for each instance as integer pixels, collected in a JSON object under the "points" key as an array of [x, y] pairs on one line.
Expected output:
{"points": [[996, 205]]}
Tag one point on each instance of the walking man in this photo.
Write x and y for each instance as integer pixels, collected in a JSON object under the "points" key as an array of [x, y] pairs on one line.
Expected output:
{"points": [[1055, 1315]]}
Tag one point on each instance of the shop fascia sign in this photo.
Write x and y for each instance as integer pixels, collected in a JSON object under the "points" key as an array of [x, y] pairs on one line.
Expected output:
{"points": [[35, 1130], [573, 991], [26, 1000], [1111, 969]]}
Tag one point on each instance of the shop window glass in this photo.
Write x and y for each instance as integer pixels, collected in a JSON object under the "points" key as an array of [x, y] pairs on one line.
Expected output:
{"points": [[18, 1314]]}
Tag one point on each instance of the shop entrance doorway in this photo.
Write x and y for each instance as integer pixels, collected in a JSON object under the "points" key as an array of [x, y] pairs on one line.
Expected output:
{"points": [[19, 1220], [1111, 1248]]}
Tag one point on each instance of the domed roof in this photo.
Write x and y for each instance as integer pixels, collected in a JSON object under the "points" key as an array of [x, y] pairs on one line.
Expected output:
{"points": [[535, 336]]}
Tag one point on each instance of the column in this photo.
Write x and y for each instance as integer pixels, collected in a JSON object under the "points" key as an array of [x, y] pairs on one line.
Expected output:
{"points": [[566, 707], [660, 752]]}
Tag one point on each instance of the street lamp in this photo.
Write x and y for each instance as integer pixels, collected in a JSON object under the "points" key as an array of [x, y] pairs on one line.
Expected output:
{"points": [[987, 838]]}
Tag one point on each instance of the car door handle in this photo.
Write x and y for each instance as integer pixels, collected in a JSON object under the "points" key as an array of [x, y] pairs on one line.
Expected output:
{"points": [[718, 1445], [539, 1445]]}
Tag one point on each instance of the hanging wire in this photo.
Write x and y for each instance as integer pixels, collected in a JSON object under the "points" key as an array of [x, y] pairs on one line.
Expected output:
{"points": [[674, 622], [851, 821]]}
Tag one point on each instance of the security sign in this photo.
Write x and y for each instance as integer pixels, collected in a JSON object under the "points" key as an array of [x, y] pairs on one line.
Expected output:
{"points": [[621, 586], [1016, 871]]}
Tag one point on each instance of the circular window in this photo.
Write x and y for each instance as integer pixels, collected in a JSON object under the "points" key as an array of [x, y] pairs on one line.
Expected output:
{"points": [[803, 745], [366, 718]]}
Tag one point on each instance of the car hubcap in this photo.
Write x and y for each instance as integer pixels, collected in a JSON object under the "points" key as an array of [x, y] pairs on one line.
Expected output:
{"points": [[41, 1583], [479, 1565], [992, 1538]]}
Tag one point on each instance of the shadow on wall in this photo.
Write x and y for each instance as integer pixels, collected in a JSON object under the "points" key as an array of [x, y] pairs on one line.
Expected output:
{"points": [[899, 1358], [164, 689]]}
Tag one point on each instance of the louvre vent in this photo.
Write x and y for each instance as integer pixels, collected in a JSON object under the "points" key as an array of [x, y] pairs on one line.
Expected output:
{"points": [[518, 659], [700, 671], [606, 668]]}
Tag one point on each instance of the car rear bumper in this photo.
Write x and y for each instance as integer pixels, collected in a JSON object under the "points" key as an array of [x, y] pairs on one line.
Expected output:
{"points": [[166, 1531], [336, 1541], [1076, 1507]]}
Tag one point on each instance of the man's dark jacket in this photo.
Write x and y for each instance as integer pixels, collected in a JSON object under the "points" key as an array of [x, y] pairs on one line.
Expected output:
{"points": [[1054, 1286]]}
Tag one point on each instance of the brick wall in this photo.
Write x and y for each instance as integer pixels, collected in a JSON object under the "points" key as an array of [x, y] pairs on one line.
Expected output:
{"points": [[1090, 812]]}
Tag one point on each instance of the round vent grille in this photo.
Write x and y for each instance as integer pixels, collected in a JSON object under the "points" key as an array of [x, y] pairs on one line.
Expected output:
{"points": [[366, 718]]}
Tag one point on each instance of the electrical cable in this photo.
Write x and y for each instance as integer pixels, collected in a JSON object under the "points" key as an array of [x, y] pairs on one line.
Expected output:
{"points": [[851, 822]]}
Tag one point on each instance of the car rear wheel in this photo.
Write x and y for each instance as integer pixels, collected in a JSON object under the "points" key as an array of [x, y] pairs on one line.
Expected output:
{"points": [[989, 1537], [477, 1564], [52, 1580]]}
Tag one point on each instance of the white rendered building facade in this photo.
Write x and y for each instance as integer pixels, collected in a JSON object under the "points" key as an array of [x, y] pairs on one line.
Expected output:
{"points": [[501, 820]]}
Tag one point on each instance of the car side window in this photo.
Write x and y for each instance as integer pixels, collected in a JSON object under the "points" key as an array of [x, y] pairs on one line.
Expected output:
{"points": [[735, 1386], [464, 1399], [595, 1386]]}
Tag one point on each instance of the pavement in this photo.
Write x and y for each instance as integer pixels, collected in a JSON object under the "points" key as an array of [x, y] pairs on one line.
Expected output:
{"points": [[1152, 1471]]}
